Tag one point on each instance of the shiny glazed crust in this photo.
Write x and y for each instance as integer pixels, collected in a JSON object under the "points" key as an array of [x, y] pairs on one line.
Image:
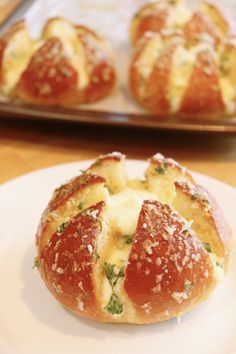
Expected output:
{"points": [[170, 262], [183, 65], [69, 64]]}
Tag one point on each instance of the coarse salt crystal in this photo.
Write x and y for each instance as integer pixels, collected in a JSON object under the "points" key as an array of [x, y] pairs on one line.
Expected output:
{"points": [[90, 248]]}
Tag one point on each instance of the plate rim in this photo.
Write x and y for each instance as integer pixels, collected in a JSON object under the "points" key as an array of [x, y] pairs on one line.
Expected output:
{"points": [[83, 162]]}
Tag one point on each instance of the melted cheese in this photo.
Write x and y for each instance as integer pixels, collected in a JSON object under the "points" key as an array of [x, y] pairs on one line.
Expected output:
{"points": [[181, 71], [124, 209], [122, 215], [16, 57], [72, 45], [149, 56]]}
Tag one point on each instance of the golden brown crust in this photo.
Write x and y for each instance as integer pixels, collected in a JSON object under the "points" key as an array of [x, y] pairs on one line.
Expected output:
{"points": [[67, 262], [200, 199], [102, 76], [168, 269], [49, 79], [75, 195], [203, 94], [157, 85], [167, 265]]}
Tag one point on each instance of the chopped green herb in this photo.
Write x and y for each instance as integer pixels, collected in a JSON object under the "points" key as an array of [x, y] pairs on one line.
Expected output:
{"points": [[127, 239], [200, 197], [100, 226], [36, 263], [113, 273], [59, 188], [80, 206], [207, 247], [62, 227], [83, 172], [96, 256], [219, 264], [188, 286], [114, 306], [160, 170]]}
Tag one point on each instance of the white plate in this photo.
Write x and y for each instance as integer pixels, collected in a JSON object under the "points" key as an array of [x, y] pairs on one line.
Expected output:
{"points": [[31, 321]]}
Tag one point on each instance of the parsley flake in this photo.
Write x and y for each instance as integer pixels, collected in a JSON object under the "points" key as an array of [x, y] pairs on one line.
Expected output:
{"points": [[80, 206], [128, 239], [114, 306], [160, 170], [207, 247], [61, 228], [59, 188], [36, 263], [219, 264], [113, 273], [96, 256]]}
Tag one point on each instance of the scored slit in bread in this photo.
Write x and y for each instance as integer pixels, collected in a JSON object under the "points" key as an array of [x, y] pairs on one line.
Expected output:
{"points": [[116, 249]]}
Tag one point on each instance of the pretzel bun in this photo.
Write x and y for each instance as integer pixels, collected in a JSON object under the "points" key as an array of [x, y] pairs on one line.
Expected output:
{"points": [[69, 64], [123, 250], [170, 76], [183, 66]]}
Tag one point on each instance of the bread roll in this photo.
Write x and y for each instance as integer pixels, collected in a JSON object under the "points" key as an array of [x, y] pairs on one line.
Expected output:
{"points": [[69, 64], [123, 250], [185, 68]]}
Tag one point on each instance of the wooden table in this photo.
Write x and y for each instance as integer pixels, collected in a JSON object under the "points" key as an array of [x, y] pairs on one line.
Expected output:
{"points": [[28, 146]]}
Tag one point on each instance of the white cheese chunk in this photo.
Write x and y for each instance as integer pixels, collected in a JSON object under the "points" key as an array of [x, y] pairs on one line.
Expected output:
{"points": [[124, 209]]}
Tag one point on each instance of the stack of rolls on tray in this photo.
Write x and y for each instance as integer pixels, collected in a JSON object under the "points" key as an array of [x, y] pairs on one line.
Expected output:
{"points": [[122, 250], [68, 64], [184, 61]]}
